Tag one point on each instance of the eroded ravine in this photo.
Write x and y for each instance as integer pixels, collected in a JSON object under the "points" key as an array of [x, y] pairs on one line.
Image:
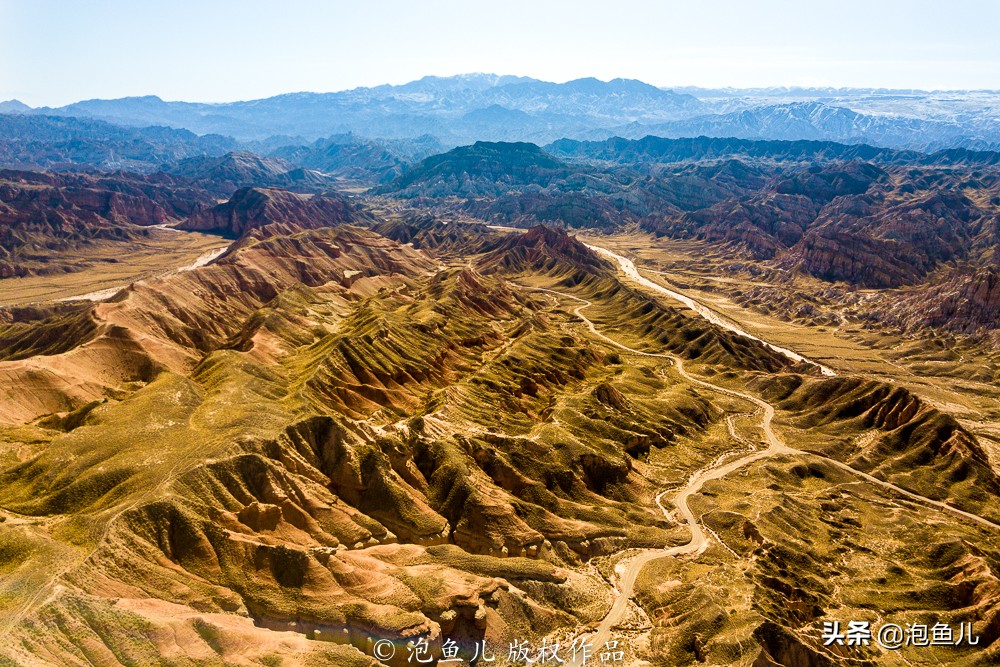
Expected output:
{"points": [[699, 539], [630, 270]]}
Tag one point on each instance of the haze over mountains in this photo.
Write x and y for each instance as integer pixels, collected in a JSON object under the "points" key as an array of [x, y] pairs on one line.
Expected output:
{"points": [[488, 359], [843, 185], [462, 109]]}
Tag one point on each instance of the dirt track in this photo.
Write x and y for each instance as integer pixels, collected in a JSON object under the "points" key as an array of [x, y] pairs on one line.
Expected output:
{"points": [[699, 539]]}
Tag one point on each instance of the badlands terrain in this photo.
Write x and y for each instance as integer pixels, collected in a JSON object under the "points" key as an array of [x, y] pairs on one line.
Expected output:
{"points": [[697, 397]]}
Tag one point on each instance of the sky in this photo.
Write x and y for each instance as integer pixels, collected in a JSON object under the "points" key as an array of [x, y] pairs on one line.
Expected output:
{"points": [[56, 52]]}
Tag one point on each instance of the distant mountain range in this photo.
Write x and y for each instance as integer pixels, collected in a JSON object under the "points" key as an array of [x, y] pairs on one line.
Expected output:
{"points": [[871, 217], [65, 143], [463, 109], [659, 150]]}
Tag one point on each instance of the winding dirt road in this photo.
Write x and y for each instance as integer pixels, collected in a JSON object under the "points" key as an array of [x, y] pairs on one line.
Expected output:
{"points": [[699, 539], [630, 270], [775, 447]]}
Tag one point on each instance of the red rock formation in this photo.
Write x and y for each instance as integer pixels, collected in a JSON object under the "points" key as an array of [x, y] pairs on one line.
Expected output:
{"points": [[541, 247], [966, 302], [268, 212]]}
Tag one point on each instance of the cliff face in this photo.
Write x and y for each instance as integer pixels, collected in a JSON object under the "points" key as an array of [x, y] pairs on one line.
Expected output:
{"points": [[542, 248], [116, 206], [866, 220], [852, 222], [859, 258], [223, 175], [483, 169], [45, 213], [964, 302], [876, 241], [763, 225], [266, 212]]}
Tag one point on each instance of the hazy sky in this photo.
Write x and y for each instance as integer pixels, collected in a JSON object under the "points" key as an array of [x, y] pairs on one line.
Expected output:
{"points": [[55, 52]]}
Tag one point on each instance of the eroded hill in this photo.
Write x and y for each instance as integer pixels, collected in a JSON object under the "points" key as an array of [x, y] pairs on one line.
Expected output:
{"points": [[45, 216], [337, 434], [854, 217]]}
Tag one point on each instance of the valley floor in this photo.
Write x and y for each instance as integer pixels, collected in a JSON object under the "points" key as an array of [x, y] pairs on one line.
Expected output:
{"points": [[102, 268], [962, 382]]}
